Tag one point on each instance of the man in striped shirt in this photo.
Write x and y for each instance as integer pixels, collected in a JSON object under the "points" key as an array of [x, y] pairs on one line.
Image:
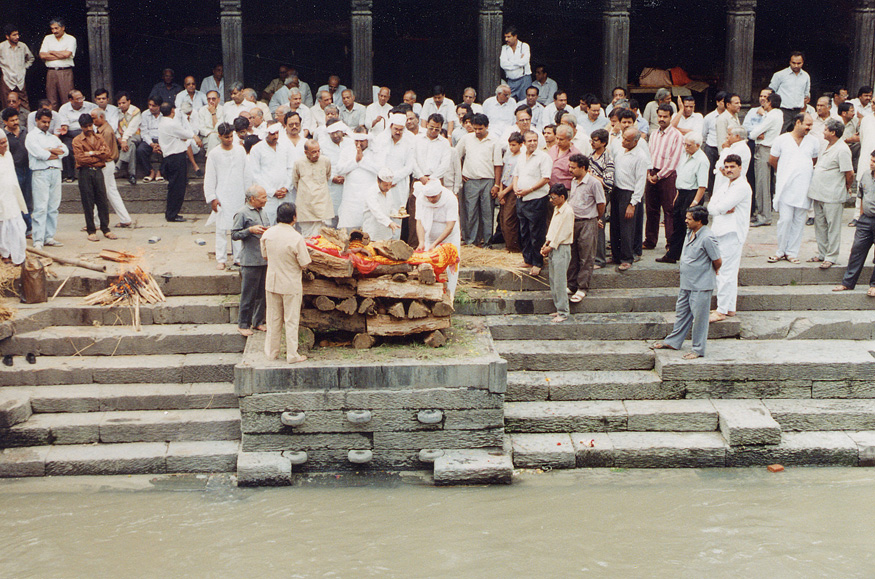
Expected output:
{"points": [[666, 146]]}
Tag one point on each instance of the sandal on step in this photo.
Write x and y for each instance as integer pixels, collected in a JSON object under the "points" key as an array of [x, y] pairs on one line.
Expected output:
{"points": [[110, 235], [826, 265], [793, 259], [776, 258], [813, 260], [92, 237]]}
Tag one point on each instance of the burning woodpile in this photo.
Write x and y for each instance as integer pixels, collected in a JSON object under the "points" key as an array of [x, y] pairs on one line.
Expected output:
{"points": [[131, 288], [375, 289]]}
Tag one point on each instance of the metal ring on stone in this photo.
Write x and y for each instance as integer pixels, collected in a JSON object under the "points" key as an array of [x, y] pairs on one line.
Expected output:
{"points": [[430, 416], [296, 457], [293, 418], [359, 416], [360, 456], [430, 454]]}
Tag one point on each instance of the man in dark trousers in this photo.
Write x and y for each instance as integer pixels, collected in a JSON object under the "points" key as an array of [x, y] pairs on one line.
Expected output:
{"points": [[173, 138], [91, 154]]}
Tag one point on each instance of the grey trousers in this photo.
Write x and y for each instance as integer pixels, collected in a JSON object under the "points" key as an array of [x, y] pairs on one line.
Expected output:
{"points": [[763, 189], [583, 251], [691, 311], [559, 259], [130, 157], [828, 229], [252, 296], [478, 209]]}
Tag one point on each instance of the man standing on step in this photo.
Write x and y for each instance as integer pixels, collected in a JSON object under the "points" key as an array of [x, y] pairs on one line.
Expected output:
{"points": [[45, 152], [700, 264], [105, 131], [91, 154], [630, 173], [173, 138], [864, 236], [249, 224]]}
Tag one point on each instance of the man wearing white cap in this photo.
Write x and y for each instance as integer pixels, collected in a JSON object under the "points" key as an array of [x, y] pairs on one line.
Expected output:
{"points": [[437, 222], [361, 174], [339, 151], [270, 162], [376, 220], [395, 151], [310, 175]]}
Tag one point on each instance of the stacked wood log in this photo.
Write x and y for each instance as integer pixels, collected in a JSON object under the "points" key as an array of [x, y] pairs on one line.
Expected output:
{"points": [[394, 300]]}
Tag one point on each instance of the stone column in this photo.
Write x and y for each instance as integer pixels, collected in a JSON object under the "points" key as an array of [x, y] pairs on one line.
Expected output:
{"points": [[490, 40], [738, 71], [862, 68], [98, 46], [362, 27], [615, 45], [232, 43]]}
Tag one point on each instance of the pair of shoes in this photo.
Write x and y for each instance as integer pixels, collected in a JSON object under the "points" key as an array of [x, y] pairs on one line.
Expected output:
{"points": [[809, 221], [665, 259], [853, 223], [148, 179], [578, 296], [177, 219], [53, 242], [132, 180]]}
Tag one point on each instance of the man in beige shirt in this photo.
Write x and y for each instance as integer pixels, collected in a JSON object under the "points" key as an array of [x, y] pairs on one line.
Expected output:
{"points": [[287, 255], [310, 175]]}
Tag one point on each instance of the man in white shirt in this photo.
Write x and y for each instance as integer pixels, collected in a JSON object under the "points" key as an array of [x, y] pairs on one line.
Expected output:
{"points": [[69, 112], [793, 155], [173, 137], [560, 103], [334, 88], [377, 113], [627, 214], [531, 184], [360, 173], [339, 150], [500, 110], [728, 119], [45, 152], [15, 59], [351, 112], [192, 94], [292, 81], [271, 167], [830, 187], [515, 60], [821, 116], [57, 51], [594, 118], [709, 135], [236, 105], [128, 133], [258, 124], [546, 86], [536, 107], [409, 99], [764, 135], [469, 97], [663, 97], [863, 102], [376, 220], [523, 124], [394, 150], [440, 104], [295, 105], [793, 84], [688, 120], [110, 112], [433, 155], [149, 145], [618, 94], [209, 118], [216, 82], [480, 153], [736, 145]]}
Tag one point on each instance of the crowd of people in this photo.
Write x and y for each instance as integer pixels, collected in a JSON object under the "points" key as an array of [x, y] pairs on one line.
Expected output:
{"points": [[525, 169]]}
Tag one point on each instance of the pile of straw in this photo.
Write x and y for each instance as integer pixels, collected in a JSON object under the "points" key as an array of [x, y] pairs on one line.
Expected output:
{"points": [[473, 256]]}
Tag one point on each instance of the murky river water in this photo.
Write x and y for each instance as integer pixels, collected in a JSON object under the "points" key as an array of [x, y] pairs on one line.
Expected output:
{"points": [[680, 523]]}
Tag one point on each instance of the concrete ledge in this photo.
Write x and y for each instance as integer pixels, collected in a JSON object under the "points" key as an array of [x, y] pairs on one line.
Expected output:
{"points": [[543, 451], [306, 442], [668, 449], [103, 459], [256, 469], [20, 462], [14, 408], [823, 414], [383, 420], [574, 355], [593, 385], [747, 422], [577, 416], [443, 398], [822, 448], [473, 467], [729, 389]]}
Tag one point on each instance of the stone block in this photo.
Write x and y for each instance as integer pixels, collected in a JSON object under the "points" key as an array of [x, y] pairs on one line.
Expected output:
{"points": [[27, 461], [571, 416], [671, 415], [14, 408], [383, 460], [574, 355], [747, 422], [30, 433], [105, 459], [73, 428], [843, 389], [668, 449], [171, 425], [135, 369], [306, 442], [442, 398], [527, 387], [543, 451], [209, 367], [334, 421], [257, 469], [68, 398], [745, 389], [473, 467], [813, 448], [612, 385], [865, 442], [593, 449], [443, 439], [477, 419], [823, 414], [205, 456]]}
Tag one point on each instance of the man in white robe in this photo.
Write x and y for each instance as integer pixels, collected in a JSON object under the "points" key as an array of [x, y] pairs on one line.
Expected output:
{"points": [[377, 210], [395, 151], [437, 222], [361, 172], [224, 190], [271, 167], [339, 150]]}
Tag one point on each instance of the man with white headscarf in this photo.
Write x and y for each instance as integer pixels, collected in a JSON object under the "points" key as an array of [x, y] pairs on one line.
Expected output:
{"points": [[360, 174], [339, 150], [395, 151], [437, 222], [224, 190], [12, 206], [376, 214], [271, 162]]}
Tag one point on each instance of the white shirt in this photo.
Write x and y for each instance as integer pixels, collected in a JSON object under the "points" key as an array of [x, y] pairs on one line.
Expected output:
{"points": [[728, 196], [542, 144], [197, 100], [630, 171], [149, 127], [529, 170], [742, 150], [546, 90], [375, 111], [791, 87], [515, 61], [359, 177], [173, 135], [770, 127], [447, 110], [338, 94], [399, 157], [694, 123], [38, 144], [69, 116], [432, 157], [375, 218], [14, 62], [479, 156], [859, 108], [867, 143], [53, 126], [500, 115], [224, 181], [209, 84], [111, 114], [795, 169], [355, 117], [549, 115], [52, 44], [232, 110], [709, 129]]}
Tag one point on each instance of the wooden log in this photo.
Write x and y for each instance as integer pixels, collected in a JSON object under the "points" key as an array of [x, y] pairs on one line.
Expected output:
{"points": [[363, 341], [117, 256], [338, 237], [436, 339], [306, 339], [399, 278], [368, 307], [389, 326], [348, 306], [391, 269], [395, 249], [384, 287], [329, 266], [68, 261], [324, 304], [397, 310], [426, 274], [444, 307], [307, 275], [417, 310], [329, 321]]}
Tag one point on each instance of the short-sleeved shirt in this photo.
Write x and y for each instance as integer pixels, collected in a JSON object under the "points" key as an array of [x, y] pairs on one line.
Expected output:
{"points": [[866, 192], [828, 183], [530, 169], [700, 250], [693, 171], [286, 253]]}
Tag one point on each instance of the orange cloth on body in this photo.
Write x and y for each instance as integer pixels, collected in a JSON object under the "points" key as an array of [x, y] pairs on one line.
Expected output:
{"points": [[440, 258]]}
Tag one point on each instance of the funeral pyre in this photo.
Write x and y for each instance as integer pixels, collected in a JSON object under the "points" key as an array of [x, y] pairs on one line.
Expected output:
{"points": [[132, 287]]}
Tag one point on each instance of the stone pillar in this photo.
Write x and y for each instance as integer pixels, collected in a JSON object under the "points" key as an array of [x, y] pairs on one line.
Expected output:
{"points": [[98, 46], [362, 27], [738, 71], [232, 43], [615, 45], [862, 68], [491, 37]]}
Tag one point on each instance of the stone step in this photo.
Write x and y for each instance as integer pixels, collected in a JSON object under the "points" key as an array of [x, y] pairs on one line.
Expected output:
{"points": [[610, 416], [141, 198], [127, 426], [477, 301], [620, 326], [124, 340], [595, 385], [689, 449], [747, 422], [170, 368], [809, 325], [122, 458], [213, 285], [806, 415], [119, 397], [574, 355]]}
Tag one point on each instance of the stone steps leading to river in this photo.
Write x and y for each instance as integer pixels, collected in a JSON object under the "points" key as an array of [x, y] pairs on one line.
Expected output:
{"points": [[122, 397]]}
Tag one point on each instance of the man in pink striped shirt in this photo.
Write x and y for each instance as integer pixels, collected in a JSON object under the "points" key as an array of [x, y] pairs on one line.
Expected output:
{"points": [[666, 146]]}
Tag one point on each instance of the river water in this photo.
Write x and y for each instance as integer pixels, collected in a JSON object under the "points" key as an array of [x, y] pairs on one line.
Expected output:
{"points": [[598, 523]]}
